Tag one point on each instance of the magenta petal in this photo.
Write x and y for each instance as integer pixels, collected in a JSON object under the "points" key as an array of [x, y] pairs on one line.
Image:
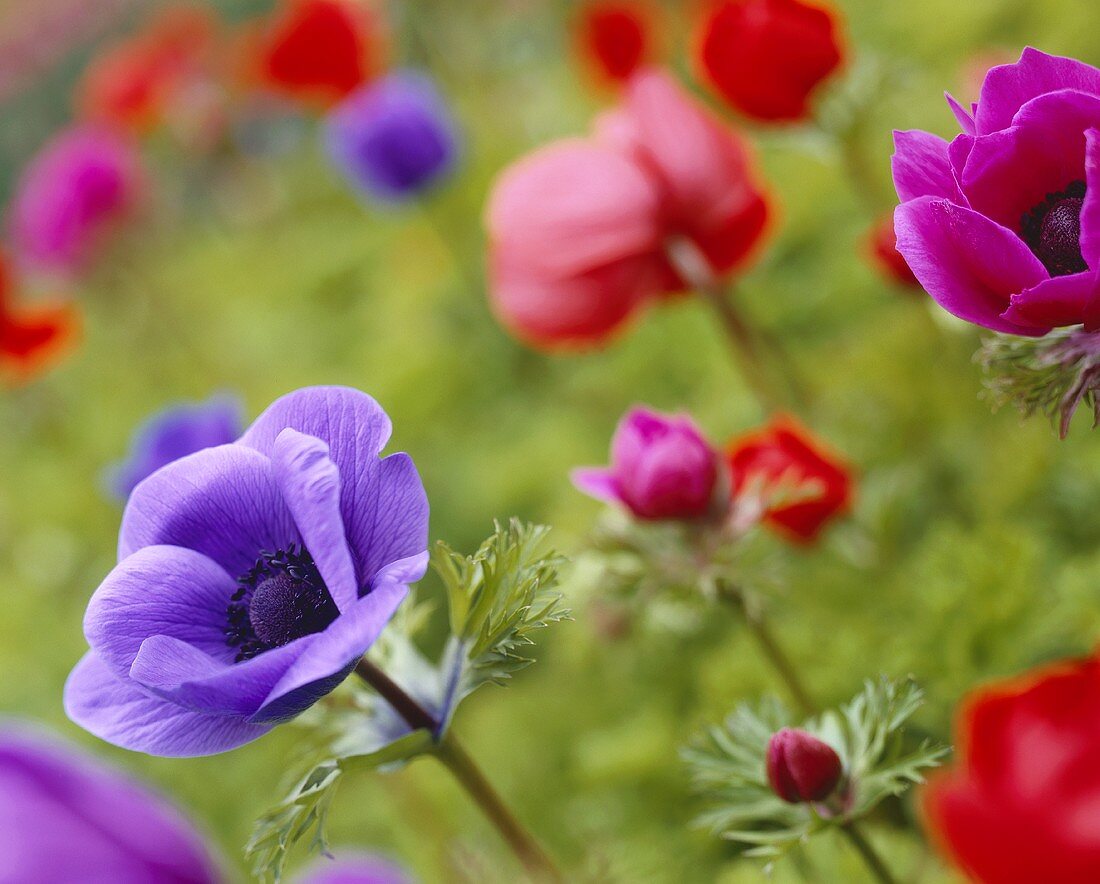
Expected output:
{"points": [[310, 483], [597, 482], [122, 713], [332, 653], [1090, 211], [1009, 87], [965, 117], [352, 868], [159, 590], [968, 264], [1063, 300], [223, 502], [921, 166], [1010, 172], [183, 674]]}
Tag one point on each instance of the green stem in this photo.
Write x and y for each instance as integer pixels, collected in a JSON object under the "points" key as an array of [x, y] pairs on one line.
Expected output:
{"points": [[776, 656], [870, 856], [746, 344], [781, 663], [462, 766]]}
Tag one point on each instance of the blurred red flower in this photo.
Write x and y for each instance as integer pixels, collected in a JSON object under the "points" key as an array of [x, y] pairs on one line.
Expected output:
{"points": [[883, 246], [616, 38], [32, 338], [316, 50], [580, 230], [133, 83], [1021, 803], [792, 477], [766, 57]]}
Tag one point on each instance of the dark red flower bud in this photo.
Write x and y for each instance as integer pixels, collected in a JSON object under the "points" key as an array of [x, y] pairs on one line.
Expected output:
{"points": [[884, 252], [801, 767]]}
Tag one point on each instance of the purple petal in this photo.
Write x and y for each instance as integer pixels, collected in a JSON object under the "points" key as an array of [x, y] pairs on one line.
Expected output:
{"points": [[1010, 172], [1090, 211], [332, 654], [159, 590], [310, 483], [1009, 87], [968, 264], [406, 571], [174, 433], [1063, 300], [63, 813], [383, 504], [597, 482], [390, 521], [352, 868], [965, 117], [181, 673], [223, 502], [123, 714], [921, 166]]}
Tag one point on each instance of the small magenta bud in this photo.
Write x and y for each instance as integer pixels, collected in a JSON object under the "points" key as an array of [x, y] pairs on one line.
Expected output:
{"points": [[801, 767]]}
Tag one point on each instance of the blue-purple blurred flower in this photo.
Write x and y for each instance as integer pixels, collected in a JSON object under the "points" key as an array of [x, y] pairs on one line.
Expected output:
{"points": [[394, 137], [65, 817], [174, 433], [251, 579], [354, 869]]}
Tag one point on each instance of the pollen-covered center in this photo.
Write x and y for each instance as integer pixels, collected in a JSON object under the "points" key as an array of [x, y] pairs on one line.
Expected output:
{"points": [[1052, 230], [280, 599]]}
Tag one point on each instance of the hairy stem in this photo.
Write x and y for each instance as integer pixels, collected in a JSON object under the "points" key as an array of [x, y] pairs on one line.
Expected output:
{"points": [[462, 766]]}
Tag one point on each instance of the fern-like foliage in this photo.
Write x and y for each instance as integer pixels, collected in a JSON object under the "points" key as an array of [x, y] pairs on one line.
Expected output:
{"points": [[1051, 375], [497, 598], [727, 765]]}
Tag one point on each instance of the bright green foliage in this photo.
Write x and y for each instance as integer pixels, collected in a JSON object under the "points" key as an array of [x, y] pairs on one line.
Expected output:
{"points": [[728, 766]]}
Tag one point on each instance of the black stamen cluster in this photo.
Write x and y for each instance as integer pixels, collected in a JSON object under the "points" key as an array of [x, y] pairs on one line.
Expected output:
{"points": [[282, 597], [1052, 230]]}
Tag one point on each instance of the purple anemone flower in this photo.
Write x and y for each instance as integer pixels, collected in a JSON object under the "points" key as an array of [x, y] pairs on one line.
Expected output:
{"points": [[354, 868], [173, 433], [661, 468], [393, 137], [1002, 225], [64, 817], [81, 182], [251, 578]]}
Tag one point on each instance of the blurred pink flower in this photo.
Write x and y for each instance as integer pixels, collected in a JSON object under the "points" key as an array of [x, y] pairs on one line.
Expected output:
{"points": [[581, 230], [84, 181]]}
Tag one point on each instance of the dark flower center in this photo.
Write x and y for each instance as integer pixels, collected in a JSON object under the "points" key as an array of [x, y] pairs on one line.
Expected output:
{"points": [[281, 598], [1052, 230]]}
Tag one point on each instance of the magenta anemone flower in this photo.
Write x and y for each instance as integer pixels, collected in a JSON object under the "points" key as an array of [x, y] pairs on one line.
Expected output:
{"points": [[82, 182], [1002, 225], [251, 578], [661, 468], [173, 433], [64, 817]]}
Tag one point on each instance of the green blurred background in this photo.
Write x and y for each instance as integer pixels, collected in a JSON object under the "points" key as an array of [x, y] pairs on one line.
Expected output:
{"points": [[972, 551]]}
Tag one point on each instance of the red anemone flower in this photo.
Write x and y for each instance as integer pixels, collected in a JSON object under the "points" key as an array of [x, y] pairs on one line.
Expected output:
{"points": [[616, 38], [798, 482], [766, 57]]}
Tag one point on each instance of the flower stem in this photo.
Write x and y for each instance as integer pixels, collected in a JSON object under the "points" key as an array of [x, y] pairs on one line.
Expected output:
{"points": [[464, 769], [746, 344], [780, 662], [868, 853]]}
